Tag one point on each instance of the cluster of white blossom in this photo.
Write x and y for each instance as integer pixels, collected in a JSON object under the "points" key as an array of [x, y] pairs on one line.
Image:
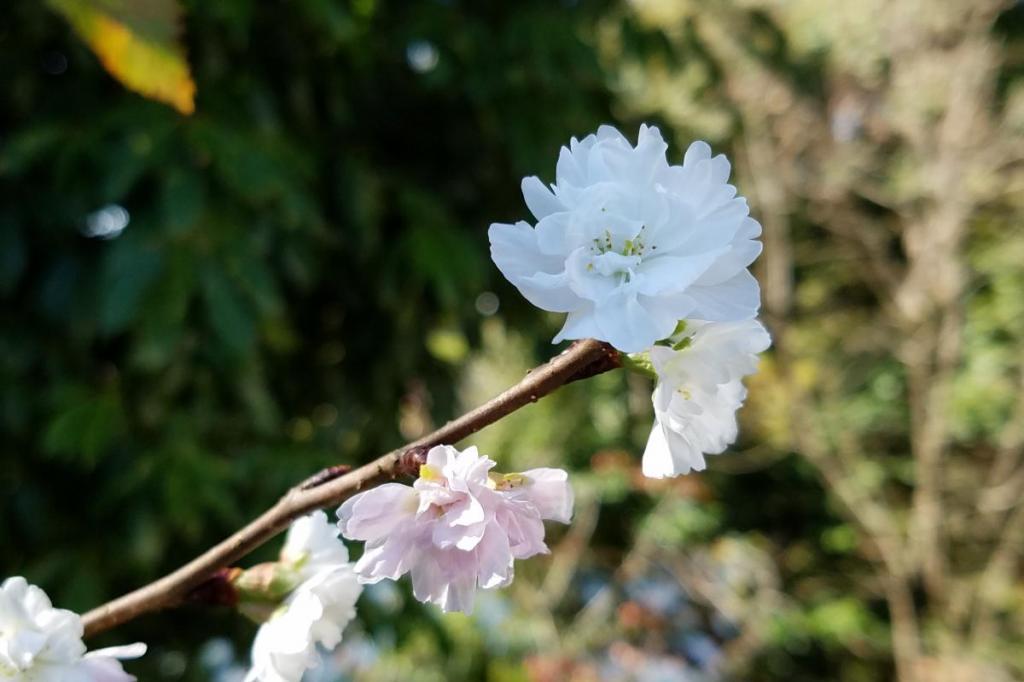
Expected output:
{"points": [[699, 390], [651, 258], [42, 644], [647, 256], [322, 591]]}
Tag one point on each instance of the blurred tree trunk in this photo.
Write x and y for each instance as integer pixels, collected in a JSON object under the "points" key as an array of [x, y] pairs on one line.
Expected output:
{"points": [[883, 126]]}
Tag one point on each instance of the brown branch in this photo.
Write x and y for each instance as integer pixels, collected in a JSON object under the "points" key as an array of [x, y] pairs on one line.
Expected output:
{"points": [[324, 475], [583, 359]]}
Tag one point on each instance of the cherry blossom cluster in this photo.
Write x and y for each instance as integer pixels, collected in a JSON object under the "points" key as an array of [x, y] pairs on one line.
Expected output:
{"points": [[652, 258], [649, 257], [458, 527], [320, 591]]}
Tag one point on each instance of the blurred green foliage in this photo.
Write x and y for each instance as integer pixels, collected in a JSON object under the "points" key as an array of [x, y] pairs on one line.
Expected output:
{"points": [[197, 312]]}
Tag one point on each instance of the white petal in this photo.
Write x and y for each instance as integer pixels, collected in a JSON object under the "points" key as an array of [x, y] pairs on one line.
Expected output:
{"points": [[720, 169], [313, 541], [718, 226], [101, 669], [124, 652], [525, 530], [539, 277], [737, 298], [669, 453], [586, 281], [459, 595], [579, 324], [697, 151], [429, 582], [552, 234], [628, 326], [731, 263], [672, 274], [657, 460], [571, 168], [608, 133], [539, 198]]}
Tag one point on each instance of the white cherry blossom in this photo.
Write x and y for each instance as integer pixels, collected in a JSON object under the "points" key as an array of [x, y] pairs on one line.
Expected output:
{"points": [[699, 390], [628, 245], [39, 643], [315, 612]]}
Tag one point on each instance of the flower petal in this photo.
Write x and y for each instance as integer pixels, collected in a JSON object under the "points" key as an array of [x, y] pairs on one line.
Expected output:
{"points": [[378, 512], [539, 199], [549, 491], [737, 298]]}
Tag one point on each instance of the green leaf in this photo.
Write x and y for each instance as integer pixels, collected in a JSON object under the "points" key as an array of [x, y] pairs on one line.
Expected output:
{"points": [[12, 255], [129, 268], [85, 426], [182, 200], [844, 620], [30, 147], [162, 320], [259, 283], [437, 251], [228, 313]]}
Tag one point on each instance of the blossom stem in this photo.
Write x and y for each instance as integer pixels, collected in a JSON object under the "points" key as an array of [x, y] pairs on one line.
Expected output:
{"points": [[583, 359], [639, 363]]}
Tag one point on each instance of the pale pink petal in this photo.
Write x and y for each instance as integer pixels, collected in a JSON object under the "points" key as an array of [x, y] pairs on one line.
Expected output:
{"points": [[549, 491], [376, 513], [494, 559], [390, 559], [465, 531], [525, 529]]}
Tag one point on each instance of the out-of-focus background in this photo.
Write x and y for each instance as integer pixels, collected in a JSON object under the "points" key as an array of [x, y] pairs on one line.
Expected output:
{"points": [[200, 309]]}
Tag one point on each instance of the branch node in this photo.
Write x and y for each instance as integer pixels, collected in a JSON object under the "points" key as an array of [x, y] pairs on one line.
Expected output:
{"points": [[324, 475], [217, 590], [410, 461], [608, 360]]}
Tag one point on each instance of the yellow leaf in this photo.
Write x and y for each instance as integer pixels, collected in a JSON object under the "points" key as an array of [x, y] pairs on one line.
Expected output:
{"points": [[137, 42]]}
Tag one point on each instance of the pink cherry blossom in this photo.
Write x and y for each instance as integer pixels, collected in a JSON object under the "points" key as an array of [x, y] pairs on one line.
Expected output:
{"points": [[460, 526]]}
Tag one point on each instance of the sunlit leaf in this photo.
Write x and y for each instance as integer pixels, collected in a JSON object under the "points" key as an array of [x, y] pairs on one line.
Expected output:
{"points": [[137, 42]]}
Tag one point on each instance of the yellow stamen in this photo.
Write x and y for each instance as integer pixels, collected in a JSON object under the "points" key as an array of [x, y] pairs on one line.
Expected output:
{"points": [[429, 473]]}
